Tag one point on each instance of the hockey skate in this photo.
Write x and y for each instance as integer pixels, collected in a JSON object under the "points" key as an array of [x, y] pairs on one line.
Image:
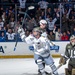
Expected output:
{"points": [[46, 74], [39, 73]]}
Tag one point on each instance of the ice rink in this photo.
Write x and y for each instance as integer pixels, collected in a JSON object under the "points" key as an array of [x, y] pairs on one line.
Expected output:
{"points": [[24, 66]]}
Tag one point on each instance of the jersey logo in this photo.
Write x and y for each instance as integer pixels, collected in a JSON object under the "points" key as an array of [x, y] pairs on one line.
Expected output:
{"points": [[31, 39]]}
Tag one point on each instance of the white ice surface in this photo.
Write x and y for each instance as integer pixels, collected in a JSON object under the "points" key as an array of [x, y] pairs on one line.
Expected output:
{"points": [[22, 66]]}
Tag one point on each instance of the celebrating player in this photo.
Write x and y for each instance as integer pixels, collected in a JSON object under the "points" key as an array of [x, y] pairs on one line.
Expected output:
{"points": [[41, 49]]}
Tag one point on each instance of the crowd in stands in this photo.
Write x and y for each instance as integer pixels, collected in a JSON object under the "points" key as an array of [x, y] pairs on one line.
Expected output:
{"points": [[60, 19]]}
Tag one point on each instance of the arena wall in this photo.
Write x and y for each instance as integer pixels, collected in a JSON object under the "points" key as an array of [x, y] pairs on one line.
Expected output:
{"points": [[22, 50]]}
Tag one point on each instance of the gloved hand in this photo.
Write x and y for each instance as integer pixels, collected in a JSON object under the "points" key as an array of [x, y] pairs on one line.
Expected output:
{"points": [[31, 48], [62, 60], [21, 31], [54, 47]]}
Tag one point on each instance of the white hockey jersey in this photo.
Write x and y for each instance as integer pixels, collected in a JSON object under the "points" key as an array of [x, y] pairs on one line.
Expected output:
{"points": [[41, 45]]}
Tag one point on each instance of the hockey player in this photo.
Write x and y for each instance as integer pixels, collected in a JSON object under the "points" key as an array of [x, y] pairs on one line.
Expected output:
{"points": [[41, 49], [69, 54], [43, 25]]}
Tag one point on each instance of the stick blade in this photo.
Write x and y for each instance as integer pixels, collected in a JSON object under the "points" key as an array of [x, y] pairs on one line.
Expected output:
{"points": [[31, 7], [14, 48]]}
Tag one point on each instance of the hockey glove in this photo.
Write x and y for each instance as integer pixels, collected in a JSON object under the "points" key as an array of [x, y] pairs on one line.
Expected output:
{"points": [[62, 60], [21, 31], [54, 47], [31, 48]]}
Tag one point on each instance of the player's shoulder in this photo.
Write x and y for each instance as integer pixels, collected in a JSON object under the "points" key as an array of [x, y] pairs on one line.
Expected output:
{"points": [[44, 34], [43, 38], [30, 37], [68, 45]]}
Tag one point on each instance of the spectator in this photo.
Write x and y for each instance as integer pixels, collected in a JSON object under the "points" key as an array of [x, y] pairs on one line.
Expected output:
{"points": [[30, 26], [1, 28], [51, 36], [38, 13], [18, 23], [1, 23], [2, 38], [51, 24], [48, 18], [10, 35], [22, 3], [73, 31], [7, 27], [71, 23], [65, 25], [42, 15], [12, 23], [1, 11], [7, 11], [64, 37], [10, 15], [57, 33], [43, 4], [67, 12], [4, 17], [34, 22], [68, 33], [49, 11], [71, 14], [55, 13]]}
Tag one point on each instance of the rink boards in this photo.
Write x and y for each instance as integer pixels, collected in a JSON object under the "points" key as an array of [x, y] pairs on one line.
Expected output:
{"points": [[22, 49]]}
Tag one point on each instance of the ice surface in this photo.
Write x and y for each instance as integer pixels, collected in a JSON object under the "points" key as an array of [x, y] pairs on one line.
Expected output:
{"points": [[23, 66]]}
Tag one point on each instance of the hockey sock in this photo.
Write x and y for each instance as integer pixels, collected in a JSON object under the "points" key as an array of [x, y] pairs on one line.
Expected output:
{"points": [[41, 67], [54, 69]]}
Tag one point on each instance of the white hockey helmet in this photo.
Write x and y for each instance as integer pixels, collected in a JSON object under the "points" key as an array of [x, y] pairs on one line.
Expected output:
{"points": [[43, 22], [72, 40], [72, 37], [37, 29]]}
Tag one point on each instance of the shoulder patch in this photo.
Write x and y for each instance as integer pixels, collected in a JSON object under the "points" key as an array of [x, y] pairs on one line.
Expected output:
{"points": [[69, 46]]}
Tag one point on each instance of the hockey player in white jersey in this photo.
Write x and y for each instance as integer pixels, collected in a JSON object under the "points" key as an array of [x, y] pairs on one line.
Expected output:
{"points": [[41, 49], [43, 25]]}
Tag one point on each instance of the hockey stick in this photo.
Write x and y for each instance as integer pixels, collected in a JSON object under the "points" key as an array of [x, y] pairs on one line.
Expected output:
{"points": [[29, 8], [51, 42], [16, 43], [15, 25], [59, 66]]}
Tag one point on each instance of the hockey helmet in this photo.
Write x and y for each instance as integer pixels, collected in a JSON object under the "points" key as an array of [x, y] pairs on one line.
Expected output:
{"points": [[43, 22], [72, 37], [72, 40], [37, 29]]}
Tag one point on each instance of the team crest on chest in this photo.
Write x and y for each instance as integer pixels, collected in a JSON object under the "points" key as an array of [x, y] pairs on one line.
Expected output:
{"points": [[31, 39]]}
